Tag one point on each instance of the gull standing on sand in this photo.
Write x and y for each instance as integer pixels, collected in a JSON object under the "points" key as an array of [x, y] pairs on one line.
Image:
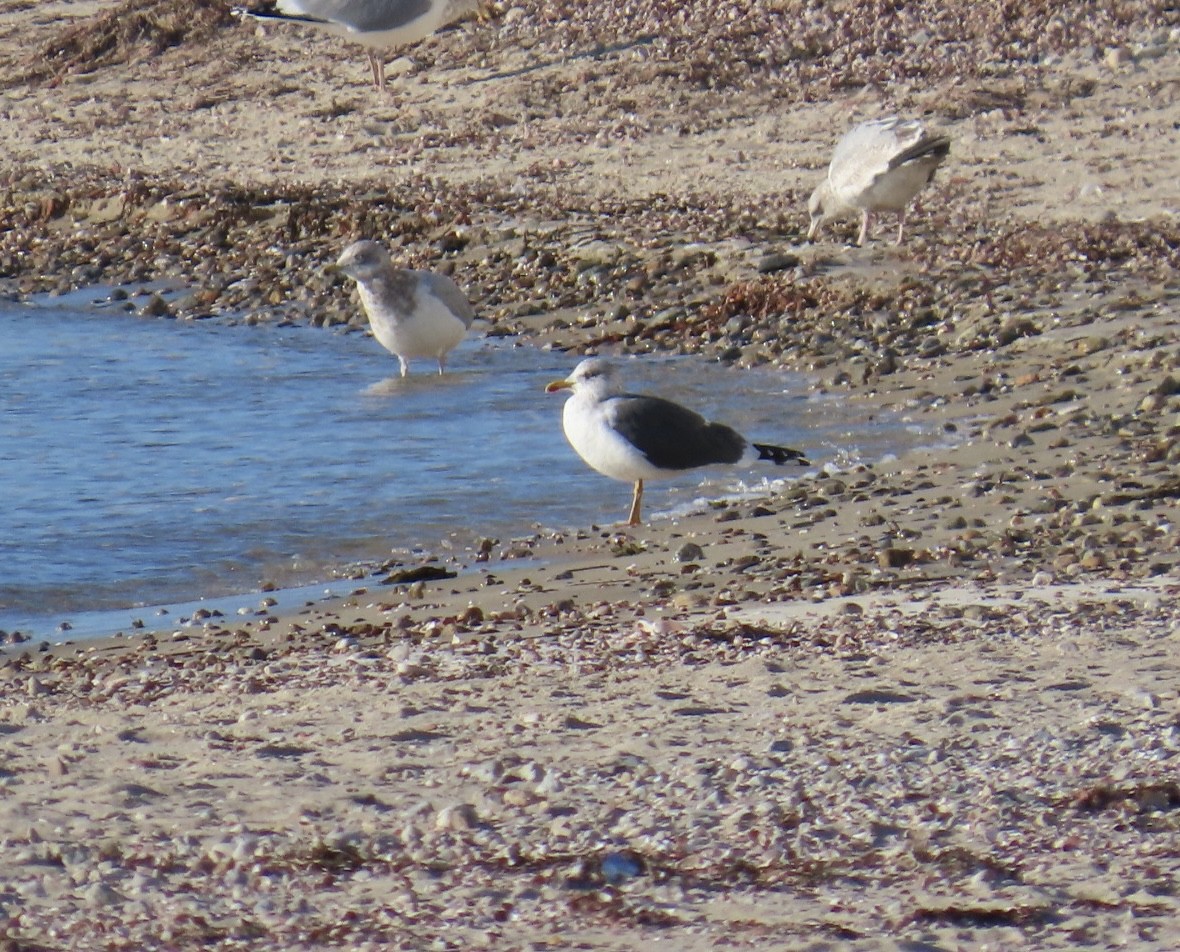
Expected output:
{"points": [[632, 437], [411, 313], [375, 24], [878, 166]]}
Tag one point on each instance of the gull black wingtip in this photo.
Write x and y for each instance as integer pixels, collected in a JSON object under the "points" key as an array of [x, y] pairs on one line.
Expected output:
{"points": [[780, 454]]}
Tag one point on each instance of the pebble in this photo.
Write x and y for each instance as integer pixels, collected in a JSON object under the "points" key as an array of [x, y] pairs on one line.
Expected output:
{"points": [[895, 558], [619, 867], [459, 816], [1117, 57], [777, 261]]}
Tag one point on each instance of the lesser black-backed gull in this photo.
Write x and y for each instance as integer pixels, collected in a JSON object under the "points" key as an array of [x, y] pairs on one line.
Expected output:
{"points": [[633, 437]]}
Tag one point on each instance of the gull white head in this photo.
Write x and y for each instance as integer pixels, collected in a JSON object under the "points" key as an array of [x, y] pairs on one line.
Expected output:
{"points": [[594, 378]]}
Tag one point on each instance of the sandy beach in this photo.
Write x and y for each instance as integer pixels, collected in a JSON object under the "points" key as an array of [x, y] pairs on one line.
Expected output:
{"points": [[927, 703]]}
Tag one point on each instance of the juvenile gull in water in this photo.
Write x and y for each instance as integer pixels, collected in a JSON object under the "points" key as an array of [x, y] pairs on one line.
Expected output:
{"points": [[411, 313], [375, 24], [632, 437], [878, 166]]}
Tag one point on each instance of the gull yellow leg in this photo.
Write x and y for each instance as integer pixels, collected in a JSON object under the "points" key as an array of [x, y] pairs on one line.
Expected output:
{"points": [[636, 499]]}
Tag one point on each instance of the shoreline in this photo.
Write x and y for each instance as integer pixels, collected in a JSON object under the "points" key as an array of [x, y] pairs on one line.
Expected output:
{"points": [[458, 548], [78, 628]]}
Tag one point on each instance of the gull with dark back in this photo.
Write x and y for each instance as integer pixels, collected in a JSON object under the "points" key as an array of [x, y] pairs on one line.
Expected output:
{"points": [[635, 437]]}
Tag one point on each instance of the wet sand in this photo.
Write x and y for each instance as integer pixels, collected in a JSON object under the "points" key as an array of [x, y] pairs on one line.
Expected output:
{"points": [[928, 702]]}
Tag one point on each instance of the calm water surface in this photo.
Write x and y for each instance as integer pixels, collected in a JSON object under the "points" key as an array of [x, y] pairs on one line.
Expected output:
{"points": [[147, 461]]}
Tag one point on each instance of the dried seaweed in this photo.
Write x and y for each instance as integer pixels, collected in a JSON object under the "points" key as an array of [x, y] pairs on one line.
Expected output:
{"points": [[134, 30]]}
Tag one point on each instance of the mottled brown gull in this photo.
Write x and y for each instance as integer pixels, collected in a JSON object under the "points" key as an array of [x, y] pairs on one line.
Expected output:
{"points": [[411, 313], [634, 437], [879, 166], [374, 24]]}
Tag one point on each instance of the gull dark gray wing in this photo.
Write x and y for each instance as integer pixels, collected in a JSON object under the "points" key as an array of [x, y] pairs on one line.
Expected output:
{"points": [[671, 436]]}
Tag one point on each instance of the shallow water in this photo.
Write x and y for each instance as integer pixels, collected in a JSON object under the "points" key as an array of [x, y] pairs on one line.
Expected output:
{"points": [[147, 461]]}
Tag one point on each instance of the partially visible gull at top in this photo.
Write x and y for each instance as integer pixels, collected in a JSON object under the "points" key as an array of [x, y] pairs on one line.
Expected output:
{"points": [[634, 437], [375, 24], [879, 166], [411, 313]]}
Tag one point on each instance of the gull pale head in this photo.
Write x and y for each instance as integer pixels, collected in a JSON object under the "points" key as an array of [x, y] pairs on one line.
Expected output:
{"points": [[593, 373], [362, 261], [819, 206]]}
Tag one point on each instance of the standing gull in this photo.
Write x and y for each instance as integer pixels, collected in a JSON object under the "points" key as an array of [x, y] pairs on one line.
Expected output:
{"points": [[411, 313], [878, 166], [375, 24], [632, 437]]}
